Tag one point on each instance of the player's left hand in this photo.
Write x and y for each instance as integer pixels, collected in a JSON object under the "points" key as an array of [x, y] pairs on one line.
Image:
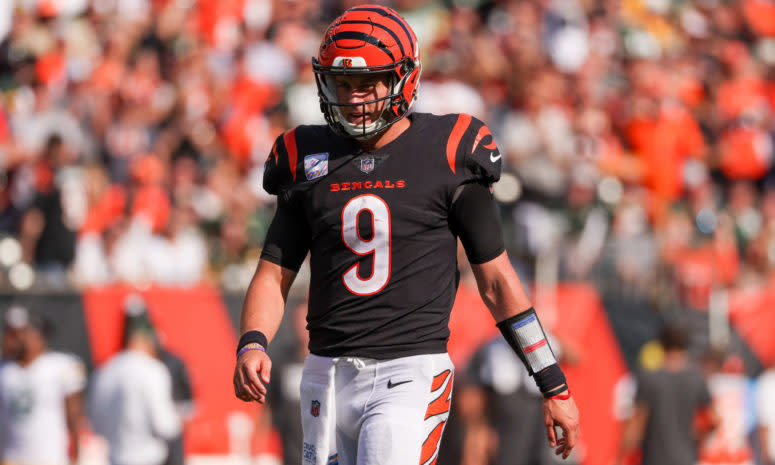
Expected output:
{"points": [[565, 414]]}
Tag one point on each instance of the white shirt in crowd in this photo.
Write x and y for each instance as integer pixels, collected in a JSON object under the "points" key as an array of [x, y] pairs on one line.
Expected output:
{"points": [[131, 406], [33, 427], [765, 405]]}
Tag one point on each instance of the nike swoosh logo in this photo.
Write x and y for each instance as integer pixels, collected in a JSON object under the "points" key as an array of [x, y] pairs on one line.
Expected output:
{"points": [[494, 159], [391, 384]]}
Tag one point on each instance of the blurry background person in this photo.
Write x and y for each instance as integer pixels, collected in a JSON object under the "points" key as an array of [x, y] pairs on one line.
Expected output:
{"points": [[44, 232], [728, 443], [136, 314], [40, 394], [765, 403], [672, 412], [131, 401]]}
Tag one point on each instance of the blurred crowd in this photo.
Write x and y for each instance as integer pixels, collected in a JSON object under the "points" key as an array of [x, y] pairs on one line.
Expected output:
{"points": [[637, 135]]}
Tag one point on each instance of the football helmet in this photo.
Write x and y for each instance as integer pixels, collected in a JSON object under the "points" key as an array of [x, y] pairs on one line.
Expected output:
{"points": [[368, 39]]}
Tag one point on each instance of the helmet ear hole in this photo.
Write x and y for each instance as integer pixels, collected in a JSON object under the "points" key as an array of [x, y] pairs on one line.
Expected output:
{"points": [[407, 67]]}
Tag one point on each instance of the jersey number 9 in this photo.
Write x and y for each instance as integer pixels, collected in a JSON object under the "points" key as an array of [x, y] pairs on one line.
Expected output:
{"points": [[378, 245]]}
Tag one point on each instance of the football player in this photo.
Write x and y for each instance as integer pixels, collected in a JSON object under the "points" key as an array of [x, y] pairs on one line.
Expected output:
{"points": [[379, 197]]}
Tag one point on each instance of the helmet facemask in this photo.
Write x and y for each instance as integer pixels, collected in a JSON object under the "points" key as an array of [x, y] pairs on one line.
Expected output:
{"points": [[395, 107]]}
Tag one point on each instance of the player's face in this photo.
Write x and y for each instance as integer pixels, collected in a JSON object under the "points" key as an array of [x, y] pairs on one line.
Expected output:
{"points": [[13, 343], [359, 89]]}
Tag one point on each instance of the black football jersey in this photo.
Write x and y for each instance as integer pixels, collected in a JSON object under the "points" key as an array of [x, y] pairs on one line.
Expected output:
{"points": [[383, 256]]}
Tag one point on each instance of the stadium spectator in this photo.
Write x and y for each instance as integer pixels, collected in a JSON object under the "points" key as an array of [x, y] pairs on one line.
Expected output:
{"points": [[131, 402], [672, 412], [728, 443], [40, 394], [136, 315]]}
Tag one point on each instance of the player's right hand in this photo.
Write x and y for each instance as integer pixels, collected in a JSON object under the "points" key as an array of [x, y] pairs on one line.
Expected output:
{"points": [[251, 374]]}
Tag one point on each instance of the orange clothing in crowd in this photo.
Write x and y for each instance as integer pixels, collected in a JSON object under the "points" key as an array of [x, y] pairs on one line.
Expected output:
{"points": [[147, 169], [153, 203], [50, 68], [738, 95], [48, 8], [760, 15], [214, 14], [107, 75], [249, 99], [5, 129], [664, 145], [612, 160], [699, 269], [108, 210], [746, 153], [690, 91]]}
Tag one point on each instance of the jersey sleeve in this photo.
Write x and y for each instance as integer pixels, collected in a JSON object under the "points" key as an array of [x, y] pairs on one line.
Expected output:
{"points": [[281, 164], [475, 219], [472, 152], [287, 241]]}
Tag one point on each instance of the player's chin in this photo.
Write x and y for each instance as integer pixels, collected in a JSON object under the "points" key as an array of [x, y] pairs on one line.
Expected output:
{"points": [[359, 120]]}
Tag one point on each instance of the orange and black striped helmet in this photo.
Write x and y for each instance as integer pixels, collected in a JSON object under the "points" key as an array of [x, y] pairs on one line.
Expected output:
{"points": [[368, 39]]}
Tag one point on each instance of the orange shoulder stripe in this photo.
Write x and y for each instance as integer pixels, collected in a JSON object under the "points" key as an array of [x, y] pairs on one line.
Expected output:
{"points": [[484, 131], [289, 138], [463, 120]]}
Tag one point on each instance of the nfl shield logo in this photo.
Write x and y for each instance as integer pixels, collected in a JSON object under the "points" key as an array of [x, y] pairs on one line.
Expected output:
{"points": [[367, 165], [315, 409], [316, 165]]}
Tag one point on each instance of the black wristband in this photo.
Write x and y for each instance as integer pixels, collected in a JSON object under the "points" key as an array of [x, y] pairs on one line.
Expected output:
{"points": [[251, 337], [551, 380]]}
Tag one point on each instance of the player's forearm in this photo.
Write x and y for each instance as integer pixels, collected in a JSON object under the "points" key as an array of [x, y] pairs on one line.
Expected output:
{"points": [[265, 299], [500, 288], [502, 292]]}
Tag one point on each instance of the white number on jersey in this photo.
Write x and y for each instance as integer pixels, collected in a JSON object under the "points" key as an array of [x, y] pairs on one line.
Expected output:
{"points": [[378, 245]]}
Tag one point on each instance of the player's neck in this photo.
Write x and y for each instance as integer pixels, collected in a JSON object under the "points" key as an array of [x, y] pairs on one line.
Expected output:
{"points": [[387, 136]]}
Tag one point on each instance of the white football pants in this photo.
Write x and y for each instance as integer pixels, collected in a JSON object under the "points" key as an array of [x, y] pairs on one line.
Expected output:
{"points": [[360, 411]]}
